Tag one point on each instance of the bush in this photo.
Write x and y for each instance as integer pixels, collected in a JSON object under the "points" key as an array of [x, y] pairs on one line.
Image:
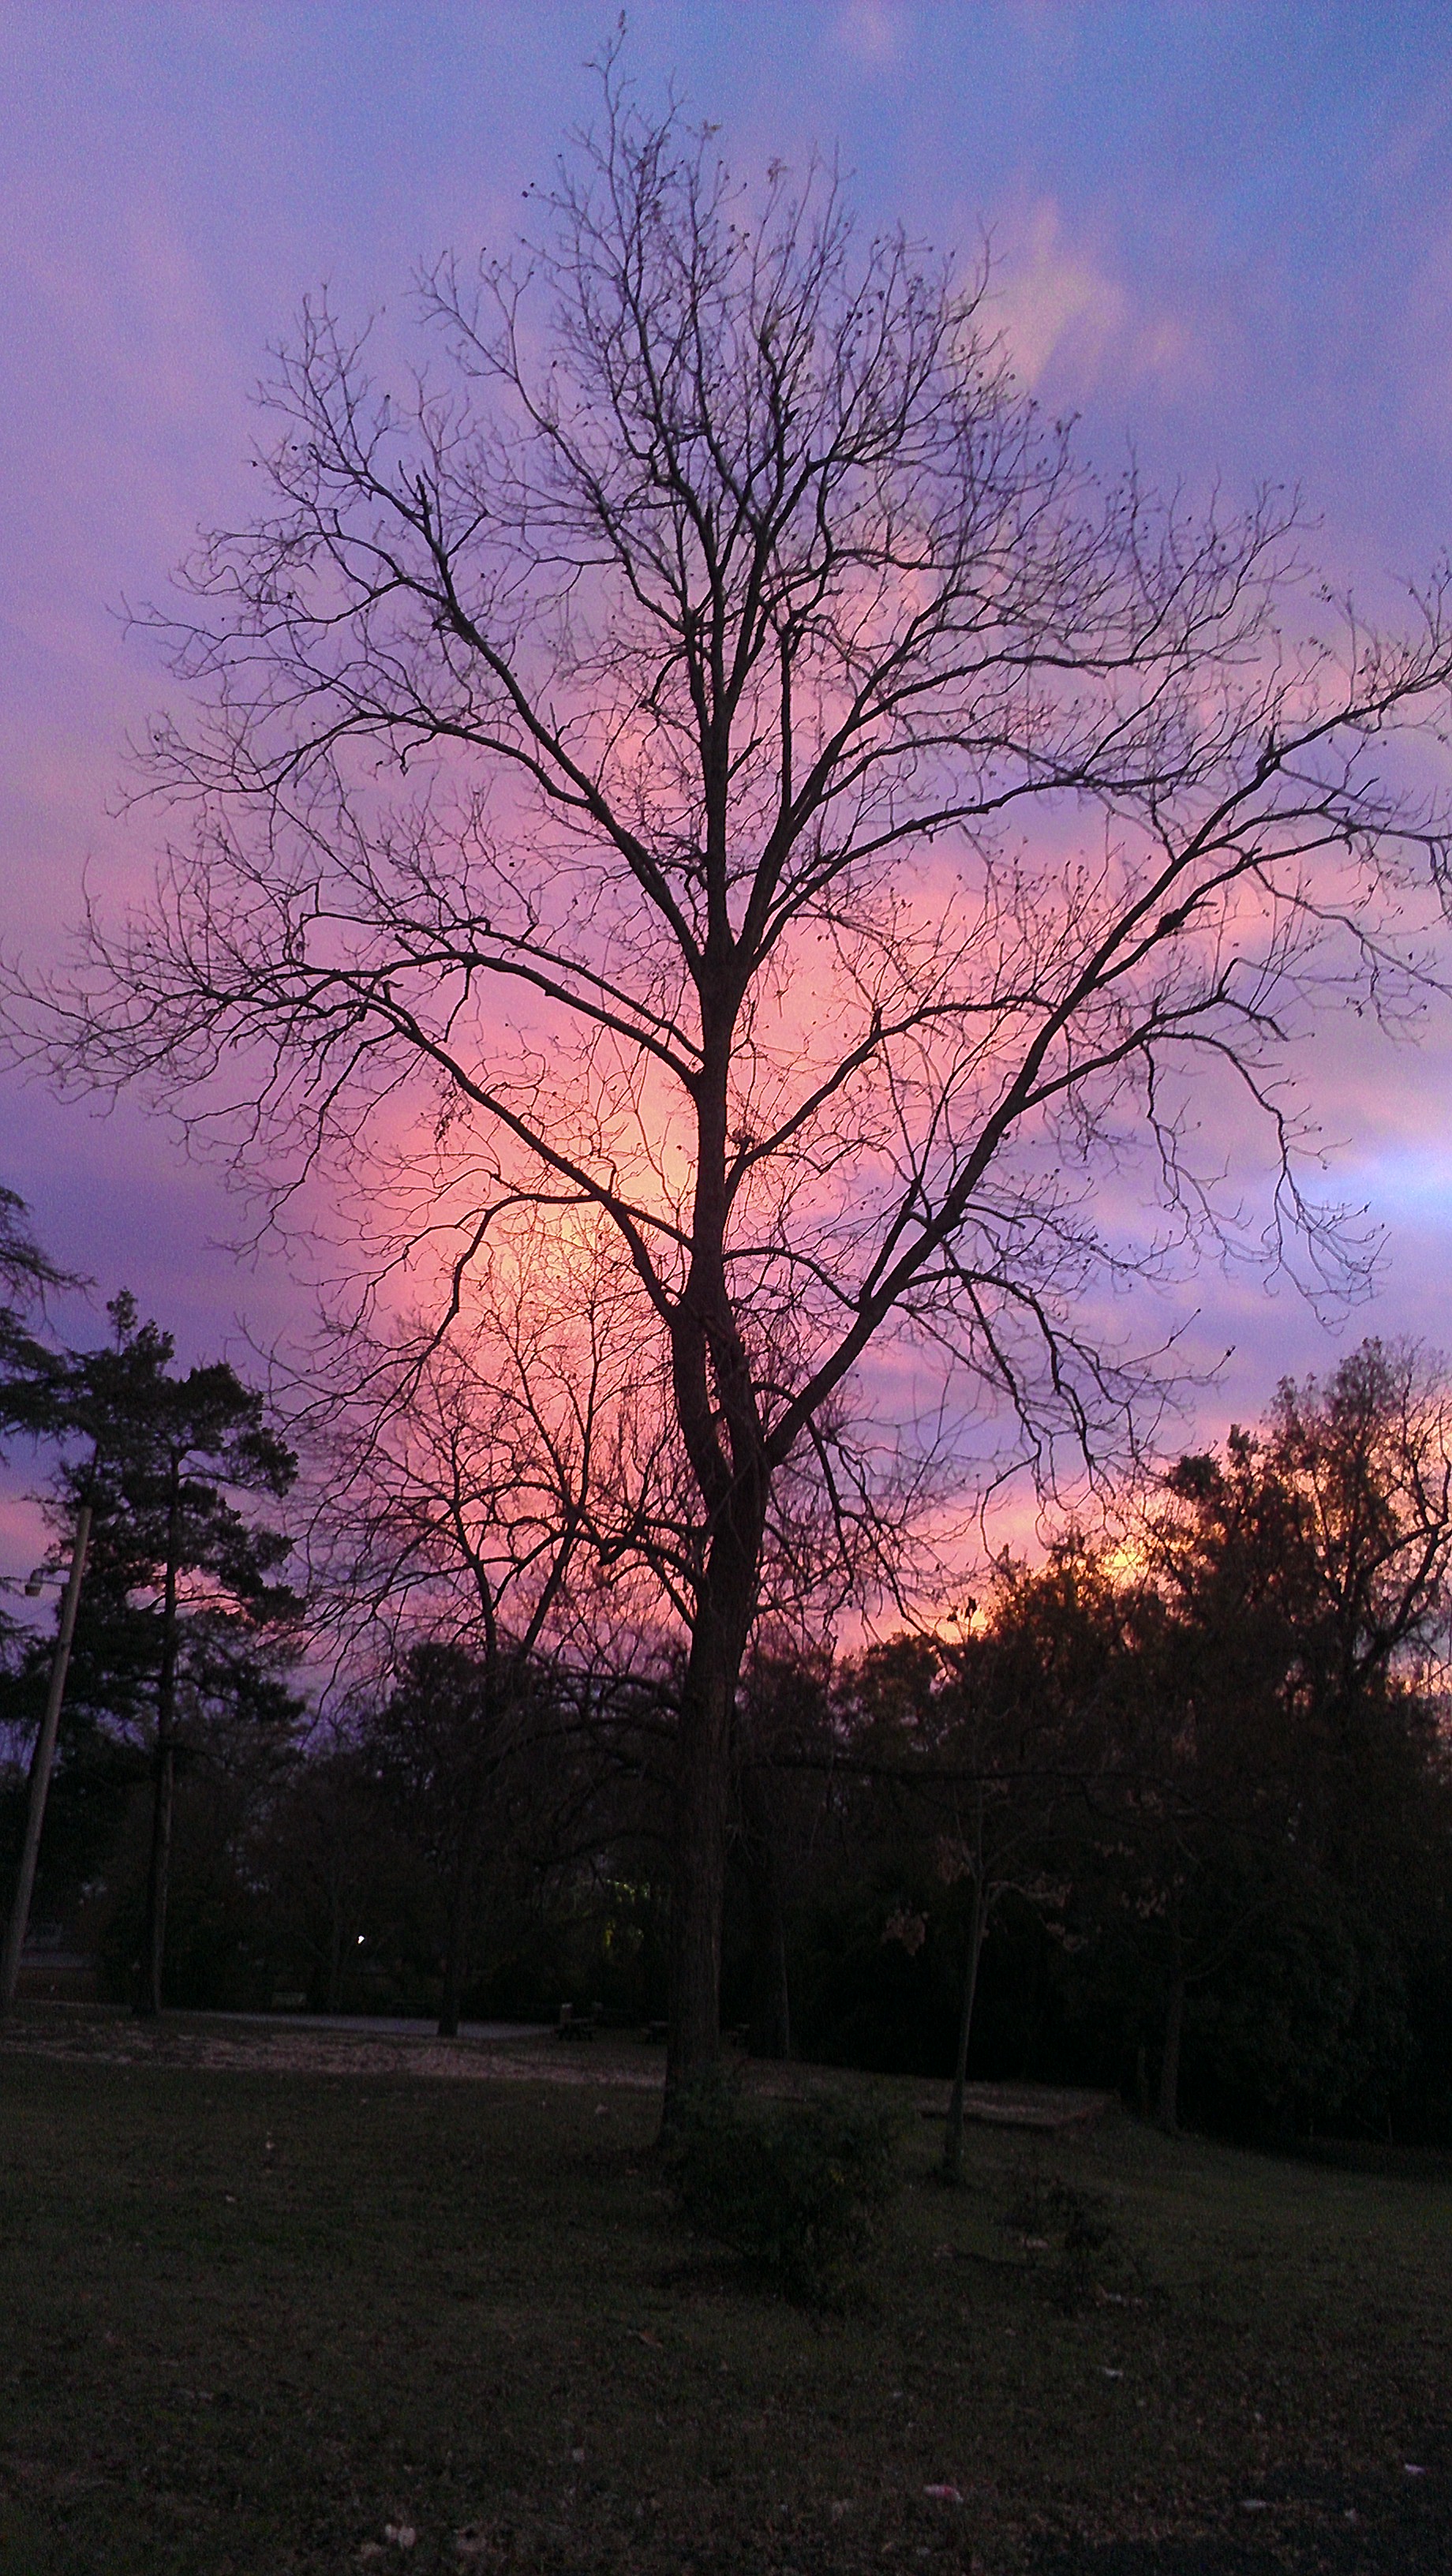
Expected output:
{"points": [[1043, 2211], [797, 2189]]}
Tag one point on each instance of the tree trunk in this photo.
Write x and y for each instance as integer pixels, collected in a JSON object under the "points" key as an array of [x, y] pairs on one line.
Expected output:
{"points": [[716, 1404], [41, 1765], [771, 2018], [461, 1908], [457, 1944], [333, 2000], [158, 1880], [702, 1806], [953, 2135], [1168, 2114], [496, 1700]]}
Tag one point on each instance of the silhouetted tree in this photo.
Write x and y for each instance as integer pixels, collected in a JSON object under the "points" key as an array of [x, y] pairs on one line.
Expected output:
{"points": [[1307, 1569], [182, 1596], [881, 827], [462, 1488], [26, 1275]]}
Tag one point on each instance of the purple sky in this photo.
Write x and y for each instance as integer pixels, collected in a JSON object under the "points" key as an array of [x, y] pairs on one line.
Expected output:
{"points": [[1224, 232]]}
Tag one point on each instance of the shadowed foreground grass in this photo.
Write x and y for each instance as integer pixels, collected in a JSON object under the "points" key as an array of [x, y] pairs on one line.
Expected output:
{"points": [[248, 2322]]}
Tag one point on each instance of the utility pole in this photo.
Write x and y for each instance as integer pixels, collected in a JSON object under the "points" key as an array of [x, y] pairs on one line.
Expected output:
{"points": [[41, 1763]]}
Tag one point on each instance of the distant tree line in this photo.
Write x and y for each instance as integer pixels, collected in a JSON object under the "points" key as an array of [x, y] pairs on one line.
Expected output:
{"points": [[1169, 1811]]}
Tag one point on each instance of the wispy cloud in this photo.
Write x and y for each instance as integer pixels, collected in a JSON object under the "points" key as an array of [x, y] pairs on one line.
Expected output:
{"points": [[874, 31], [1063, 312]]}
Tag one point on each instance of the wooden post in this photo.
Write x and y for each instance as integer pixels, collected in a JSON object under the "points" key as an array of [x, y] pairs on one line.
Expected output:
{"points": [[953, 2133], [41, 1764]]}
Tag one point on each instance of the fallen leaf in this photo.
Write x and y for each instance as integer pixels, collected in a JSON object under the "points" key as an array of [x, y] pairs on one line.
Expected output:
{"points": [[643, 2335], [944, 2495]]}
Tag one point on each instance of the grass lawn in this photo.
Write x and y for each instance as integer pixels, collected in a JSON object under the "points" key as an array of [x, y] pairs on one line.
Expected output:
{"points": [[251, 2319]]}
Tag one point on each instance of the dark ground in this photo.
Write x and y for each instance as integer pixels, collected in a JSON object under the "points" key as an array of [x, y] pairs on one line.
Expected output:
{"points": [[258, 2319]]}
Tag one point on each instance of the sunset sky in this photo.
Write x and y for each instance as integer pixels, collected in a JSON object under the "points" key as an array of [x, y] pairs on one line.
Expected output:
{"points": [[1221, 233]]}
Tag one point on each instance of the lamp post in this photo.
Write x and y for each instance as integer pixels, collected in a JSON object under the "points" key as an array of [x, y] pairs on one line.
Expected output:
{"points": [[42, 1760]]}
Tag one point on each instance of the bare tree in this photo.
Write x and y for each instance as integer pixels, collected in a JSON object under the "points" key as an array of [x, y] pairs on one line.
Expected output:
{"points": [[460, 1483], [880, 829]]}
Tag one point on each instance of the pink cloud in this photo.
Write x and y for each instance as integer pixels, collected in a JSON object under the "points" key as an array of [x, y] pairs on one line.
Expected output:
{"points": [[1062, 311], [874, 31]]}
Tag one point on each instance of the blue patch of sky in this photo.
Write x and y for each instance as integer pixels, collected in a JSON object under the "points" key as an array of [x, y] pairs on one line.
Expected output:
{"points": [[1274, 180]]}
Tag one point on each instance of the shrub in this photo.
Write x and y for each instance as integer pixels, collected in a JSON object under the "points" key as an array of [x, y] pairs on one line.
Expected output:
{"points": [[797, 2189], [1044, 2211]]}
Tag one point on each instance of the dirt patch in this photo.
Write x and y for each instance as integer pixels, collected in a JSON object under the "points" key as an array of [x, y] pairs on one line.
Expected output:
{"points": [[113, 2038], [309, 2052]]}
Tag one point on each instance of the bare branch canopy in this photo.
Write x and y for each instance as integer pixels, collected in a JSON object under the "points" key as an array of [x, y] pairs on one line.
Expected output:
{"points": [[717, 759]]}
